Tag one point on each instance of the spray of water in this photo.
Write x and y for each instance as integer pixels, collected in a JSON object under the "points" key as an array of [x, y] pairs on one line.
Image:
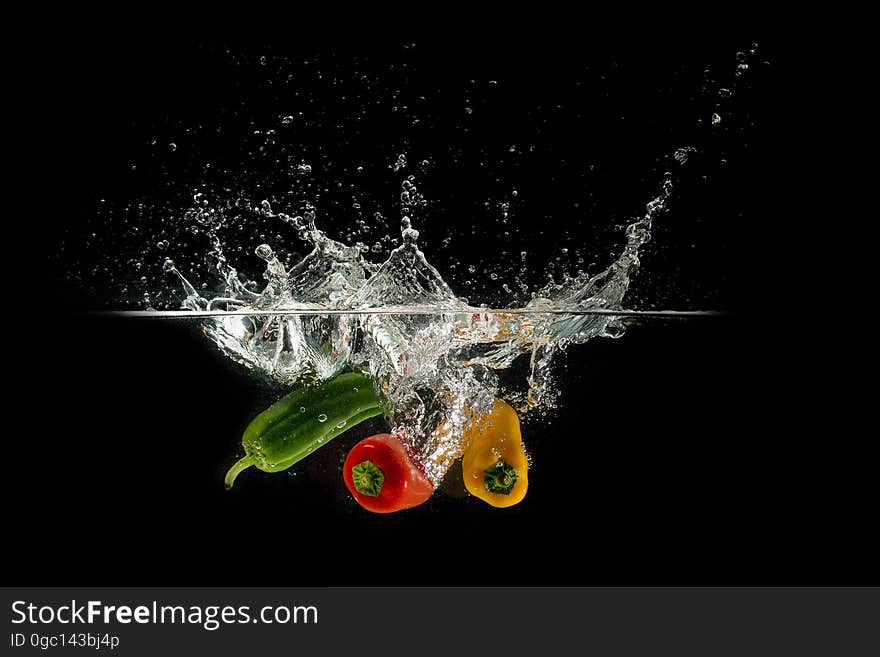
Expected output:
{"points": [[435, 359]]}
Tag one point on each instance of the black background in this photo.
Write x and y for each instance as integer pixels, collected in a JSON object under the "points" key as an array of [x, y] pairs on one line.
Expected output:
{"points": [[705, 452]]}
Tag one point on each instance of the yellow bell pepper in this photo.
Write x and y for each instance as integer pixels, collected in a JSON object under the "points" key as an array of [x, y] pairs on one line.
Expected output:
{"points": [[494, 461]]}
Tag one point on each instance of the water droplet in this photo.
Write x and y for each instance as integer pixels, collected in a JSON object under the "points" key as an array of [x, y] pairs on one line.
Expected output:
{"points": [[681, 155], [341, 424], [410, 236]]}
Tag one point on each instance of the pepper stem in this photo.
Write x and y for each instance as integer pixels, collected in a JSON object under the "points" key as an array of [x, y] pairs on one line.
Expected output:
{"points": [[368, 478], [500, 478], [242, 464]]}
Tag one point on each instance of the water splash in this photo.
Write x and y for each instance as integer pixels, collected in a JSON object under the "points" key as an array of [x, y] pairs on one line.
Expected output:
{"points": [[434, 371]]}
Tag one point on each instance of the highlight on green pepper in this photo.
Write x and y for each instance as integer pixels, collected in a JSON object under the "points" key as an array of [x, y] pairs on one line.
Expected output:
{"points": [[304, 420]]}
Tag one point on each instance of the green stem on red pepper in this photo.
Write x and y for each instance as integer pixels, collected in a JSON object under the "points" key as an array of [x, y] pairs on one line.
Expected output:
{"points": [[383, 477], [368, 478]]}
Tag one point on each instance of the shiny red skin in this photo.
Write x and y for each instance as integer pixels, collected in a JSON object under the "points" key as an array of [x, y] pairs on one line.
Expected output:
{"points": [[405, 485]]}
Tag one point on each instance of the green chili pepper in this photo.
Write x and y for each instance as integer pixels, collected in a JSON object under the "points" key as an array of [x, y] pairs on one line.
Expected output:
{"points": [[299, 423]]}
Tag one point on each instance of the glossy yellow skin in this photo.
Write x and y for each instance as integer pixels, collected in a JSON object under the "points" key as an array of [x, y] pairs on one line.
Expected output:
{"points": [[492, 438]]}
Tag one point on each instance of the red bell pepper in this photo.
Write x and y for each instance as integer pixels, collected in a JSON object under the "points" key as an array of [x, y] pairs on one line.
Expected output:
{"points": [[382, 476]]}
